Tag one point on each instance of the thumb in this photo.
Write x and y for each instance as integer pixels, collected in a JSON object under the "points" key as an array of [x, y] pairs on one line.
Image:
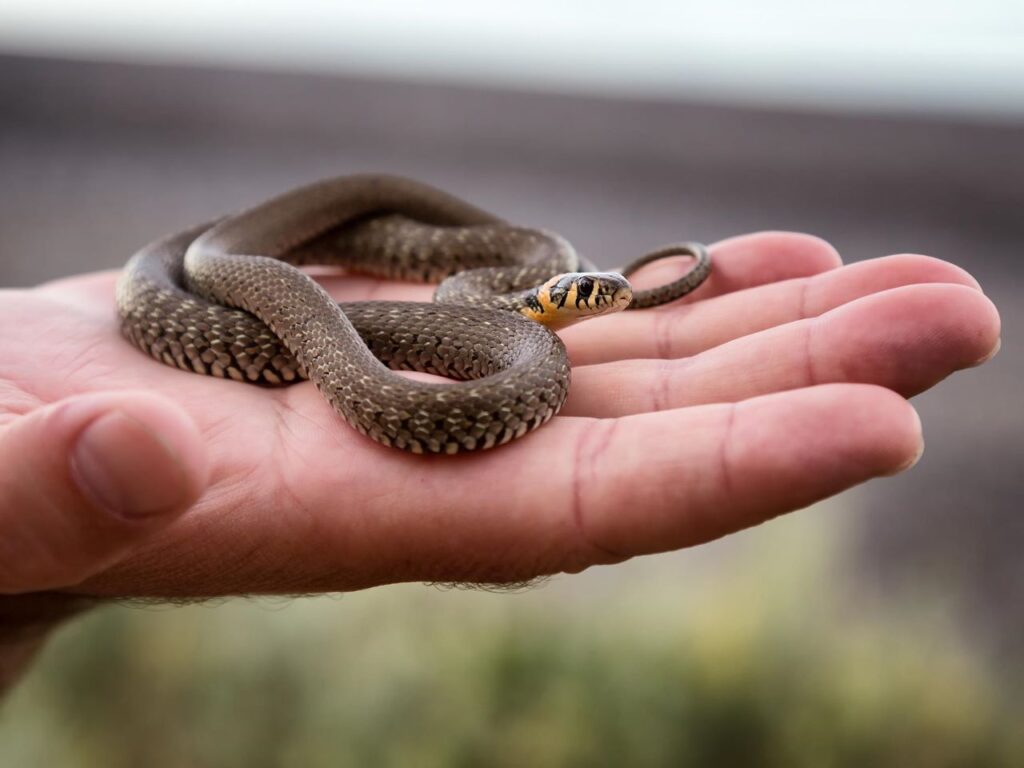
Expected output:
{"points": [[85, 479]]}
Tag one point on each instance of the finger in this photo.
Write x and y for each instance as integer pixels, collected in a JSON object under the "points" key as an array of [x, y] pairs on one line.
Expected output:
{"points": [[745, 261], [720, 468], [679, 331], [907, 339], [739, 262], [587, 491], [83, 480]]}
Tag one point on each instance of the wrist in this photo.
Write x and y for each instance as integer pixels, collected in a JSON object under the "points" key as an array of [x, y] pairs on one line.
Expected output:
{"points": [[38, 610], [25, 623]]}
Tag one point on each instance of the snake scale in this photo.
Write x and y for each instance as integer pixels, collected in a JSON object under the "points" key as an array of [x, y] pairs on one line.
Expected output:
{"points": [[226, 299]]}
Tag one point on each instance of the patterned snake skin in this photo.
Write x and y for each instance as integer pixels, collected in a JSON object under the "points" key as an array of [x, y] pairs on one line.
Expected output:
{"points": [[224, 299]]}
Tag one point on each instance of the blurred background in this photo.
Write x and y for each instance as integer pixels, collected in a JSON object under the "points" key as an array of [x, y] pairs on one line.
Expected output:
{"points": [[883, 627]]}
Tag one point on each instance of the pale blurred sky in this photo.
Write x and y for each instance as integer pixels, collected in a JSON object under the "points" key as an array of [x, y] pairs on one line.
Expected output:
{"points": [[961, 56]]}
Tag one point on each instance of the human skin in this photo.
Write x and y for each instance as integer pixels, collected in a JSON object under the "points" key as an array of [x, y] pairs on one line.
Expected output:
{"points": [[781, 381]]}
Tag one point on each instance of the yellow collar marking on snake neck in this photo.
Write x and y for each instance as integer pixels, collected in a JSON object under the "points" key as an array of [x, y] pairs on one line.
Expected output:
{"points": [[543, 309]]}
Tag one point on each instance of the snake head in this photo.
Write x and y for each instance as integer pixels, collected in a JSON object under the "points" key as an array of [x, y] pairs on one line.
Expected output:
{"points": [[574, 296]]}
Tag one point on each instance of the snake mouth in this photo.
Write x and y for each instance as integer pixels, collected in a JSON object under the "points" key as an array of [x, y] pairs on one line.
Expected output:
{"points": [[622, 297]]}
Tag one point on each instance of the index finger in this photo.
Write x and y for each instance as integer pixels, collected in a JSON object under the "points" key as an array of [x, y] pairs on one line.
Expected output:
{"points": [[738, 262]]}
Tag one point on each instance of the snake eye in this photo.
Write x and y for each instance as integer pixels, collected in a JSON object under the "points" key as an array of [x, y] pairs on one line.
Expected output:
{"points": [[584, 287]]}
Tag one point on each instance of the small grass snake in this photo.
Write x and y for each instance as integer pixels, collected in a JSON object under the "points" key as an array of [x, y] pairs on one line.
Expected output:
{"points": [[225, 299]]}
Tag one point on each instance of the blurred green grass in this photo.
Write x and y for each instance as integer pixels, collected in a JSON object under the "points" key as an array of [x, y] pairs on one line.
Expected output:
{"points": [[755, 650]]}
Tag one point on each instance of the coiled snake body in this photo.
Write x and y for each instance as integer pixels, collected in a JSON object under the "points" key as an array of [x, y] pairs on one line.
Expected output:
{"points": [[225, 299]]}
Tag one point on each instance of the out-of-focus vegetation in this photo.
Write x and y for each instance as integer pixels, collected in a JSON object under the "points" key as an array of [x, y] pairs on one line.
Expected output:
{"points": [[747, 652]]}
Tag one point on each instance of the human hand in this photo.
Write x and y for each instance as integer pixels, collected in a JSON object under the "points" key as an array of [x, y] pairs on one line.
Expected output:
{"points": [[780, 382]]}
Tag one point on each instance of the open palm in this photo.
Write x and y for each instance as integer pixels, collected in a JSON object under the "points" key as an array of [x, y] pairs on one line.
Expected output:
{"points": [[781, 381]]}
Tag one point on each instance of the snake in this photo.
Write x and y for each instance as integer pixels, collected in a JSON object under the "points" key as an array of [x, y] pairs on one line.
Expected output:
{"points": [[228, 298]]}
